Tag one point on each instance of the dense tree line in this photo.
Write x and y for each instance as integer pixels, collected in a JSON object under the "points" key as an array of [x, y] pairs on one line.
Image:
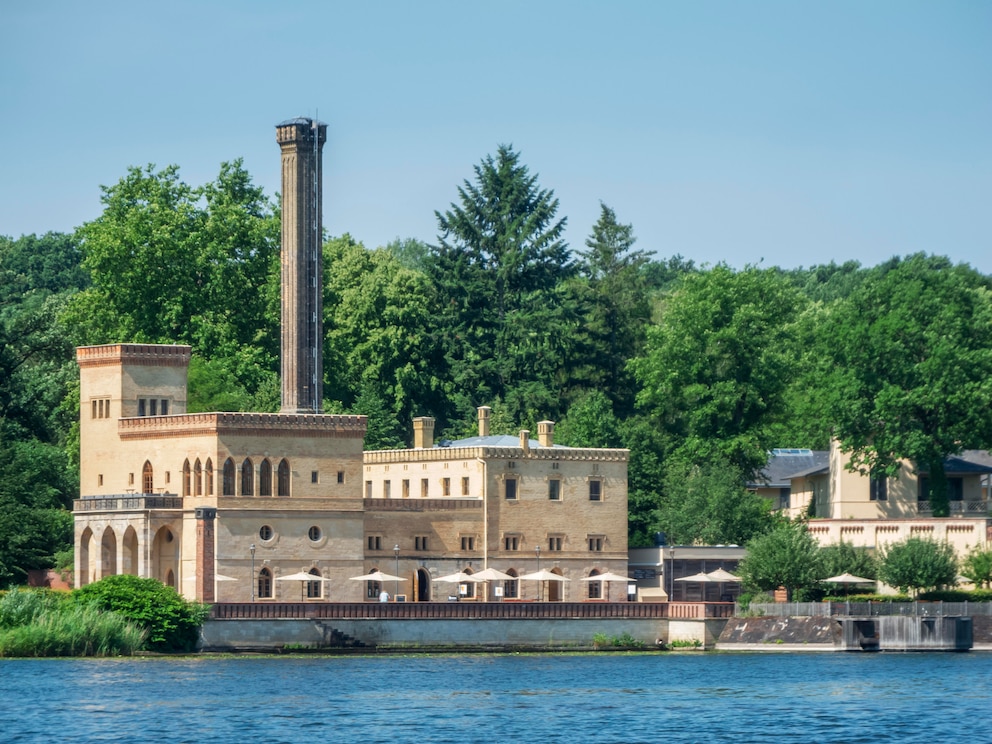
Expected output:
{"points": [[698, 370]]}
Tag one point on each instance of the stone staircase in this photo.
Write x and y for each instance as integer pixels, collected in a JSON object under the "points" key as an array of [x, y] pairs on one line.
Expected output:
{"points": [[334, 638]]}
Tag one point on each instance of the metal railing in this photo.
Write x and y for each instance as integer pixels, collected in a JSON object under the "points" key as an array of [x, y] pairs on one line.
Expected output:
{"points": [[264, 610], [976, 508], [127, 502], [868, 609]]}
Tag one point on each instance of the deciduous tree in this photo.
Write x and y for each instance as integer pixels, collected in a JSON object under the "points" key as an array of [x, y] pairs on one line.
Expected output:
{"points": [[911, 361]]}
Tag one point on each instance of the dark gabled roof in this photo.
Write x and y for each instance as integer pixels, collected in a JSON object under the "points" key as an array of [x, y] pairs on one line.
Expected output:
{"points": [[786, 464], [969, 462]]}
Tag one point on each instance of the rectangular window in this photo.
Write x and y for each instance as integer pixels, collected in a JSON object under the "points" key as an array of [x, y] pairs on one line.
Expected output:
{"points": [[387, 489], [167, 476], [141, 406], [130, 479], [420, 542], [375, 542], [511, 542], [446, 486], [878, 489], [165, 407], [424, 486], [368, 489], [315, 476], [340, 475], [554, 490], [468, 542], [595, 490], [595, 543], [406, 488], [465, 486], [510, 487], [554, 543], [99, 479], [784, 497], [153, 407], [93, 415]]}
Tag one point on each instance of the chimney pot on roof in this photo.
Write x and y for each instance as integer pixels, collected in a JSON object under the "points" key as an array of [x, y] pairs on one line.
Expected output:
{"points": [[525, 440], [546, 433], [484, 412], [423, 432]]}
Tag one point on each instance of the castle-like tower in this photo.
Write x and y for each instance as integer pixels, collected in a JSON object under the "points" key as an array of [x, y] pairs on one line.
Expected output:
{"points": [[301, 141]]}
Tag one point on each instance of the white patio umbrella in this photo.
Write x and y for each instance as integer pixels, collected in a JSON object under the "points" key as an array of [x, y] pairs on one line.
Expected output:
{"points": [[491, 574], [301, 576], [377, 576], [458, 578], [721, 575], [542, 575], [700, 578], [846, 578], [608, 577]]}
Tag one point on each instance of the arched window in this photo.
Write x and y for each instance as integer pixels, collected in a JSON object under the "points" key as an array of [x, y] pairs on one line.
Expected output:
{"points": [[186, 479], [467, 590], [595, 587], [247, 478], [313, 587], [197, 478], [510, 585], [265, 478], [147, 478], [228, 489], [209, 477], [283, 478], [265, 584]]}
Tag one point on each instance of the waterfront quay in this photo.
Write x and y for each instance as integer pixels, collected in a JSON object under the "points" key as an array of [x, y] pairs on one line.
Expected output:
{"points": [[496, 625]]}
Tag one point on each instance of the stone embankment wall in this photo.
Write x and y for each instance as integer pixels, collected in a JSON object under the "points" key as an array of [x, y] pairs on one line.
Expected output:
{"points": [[779, 634], [570, 633]]}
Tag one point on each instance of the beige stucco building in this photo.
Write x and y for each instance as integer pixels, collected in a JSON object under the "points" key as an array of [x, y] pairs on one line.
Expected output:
{"points": [[846, 505], [197, 499]]}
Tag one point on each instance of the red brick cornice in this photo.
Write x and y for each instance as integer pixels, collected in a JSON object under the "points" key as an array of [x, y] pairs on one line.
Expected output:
{"points": [[246, 424], [147, 355]]}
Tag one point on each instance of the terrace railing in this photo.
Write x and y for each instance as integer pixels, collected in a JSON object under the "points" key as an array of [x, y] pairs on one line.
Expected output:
{"points": [[869, 609], [265, 610]]}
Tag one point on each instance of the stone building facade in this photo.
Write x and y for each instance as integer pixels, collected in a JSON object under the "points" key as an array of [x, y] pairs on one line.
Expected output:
{"points": [[196, 499]]}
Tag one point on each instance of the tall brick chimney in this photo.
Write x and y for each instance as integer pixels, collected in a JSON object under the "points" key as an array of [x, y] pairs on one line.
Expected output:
{"points": [[484, 412], [546, 433], [525, 440], [301, 141]]}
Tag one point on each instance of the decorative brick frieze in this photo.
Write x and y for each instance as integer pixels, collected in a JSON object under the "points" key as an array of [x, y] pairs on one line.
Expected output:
{"points": [[146, 355]]}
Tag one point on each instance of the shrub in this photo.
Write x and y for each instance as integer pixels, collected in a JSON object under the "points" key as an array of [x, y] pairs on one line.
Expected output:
{"points": [[73, 630], [977, 567], [173, 623], [917, 563]]}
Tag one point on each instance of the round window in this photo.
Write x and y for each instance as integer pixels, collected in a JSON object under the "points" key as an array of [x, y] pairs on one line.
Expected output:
{"points": [[314, 533], [265, 533]]}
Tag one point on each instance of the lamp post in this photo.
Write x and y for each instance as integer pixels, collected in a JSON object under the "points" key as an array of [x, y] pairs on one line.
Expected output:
{"points": [[396, 584], [537, 550], [251, 549]]}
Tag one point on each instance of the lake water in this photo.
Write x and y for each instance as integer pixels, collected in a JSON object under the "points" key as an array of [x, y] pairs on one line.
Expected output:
{"points": [[481, 698]]}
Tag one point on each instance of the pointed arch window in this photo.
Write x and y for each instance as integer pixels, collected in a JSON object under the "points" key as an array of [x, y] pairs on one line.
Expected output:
{"points": [[283, 486], [247, 478], [147, 478], [209, 478], [197, 478], [265, 584], [265, 478], [187, 475], [228, 487]]}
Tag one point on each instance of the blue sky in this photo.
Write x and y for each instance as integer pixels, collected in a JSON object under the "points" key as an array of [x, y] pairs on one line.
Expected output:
{"points": [[782, 133]]}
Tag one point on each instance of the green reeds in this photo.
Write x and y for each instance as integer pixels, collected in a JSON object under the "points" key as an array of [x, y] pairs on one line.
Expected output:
{"points": [[34, 623]]}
